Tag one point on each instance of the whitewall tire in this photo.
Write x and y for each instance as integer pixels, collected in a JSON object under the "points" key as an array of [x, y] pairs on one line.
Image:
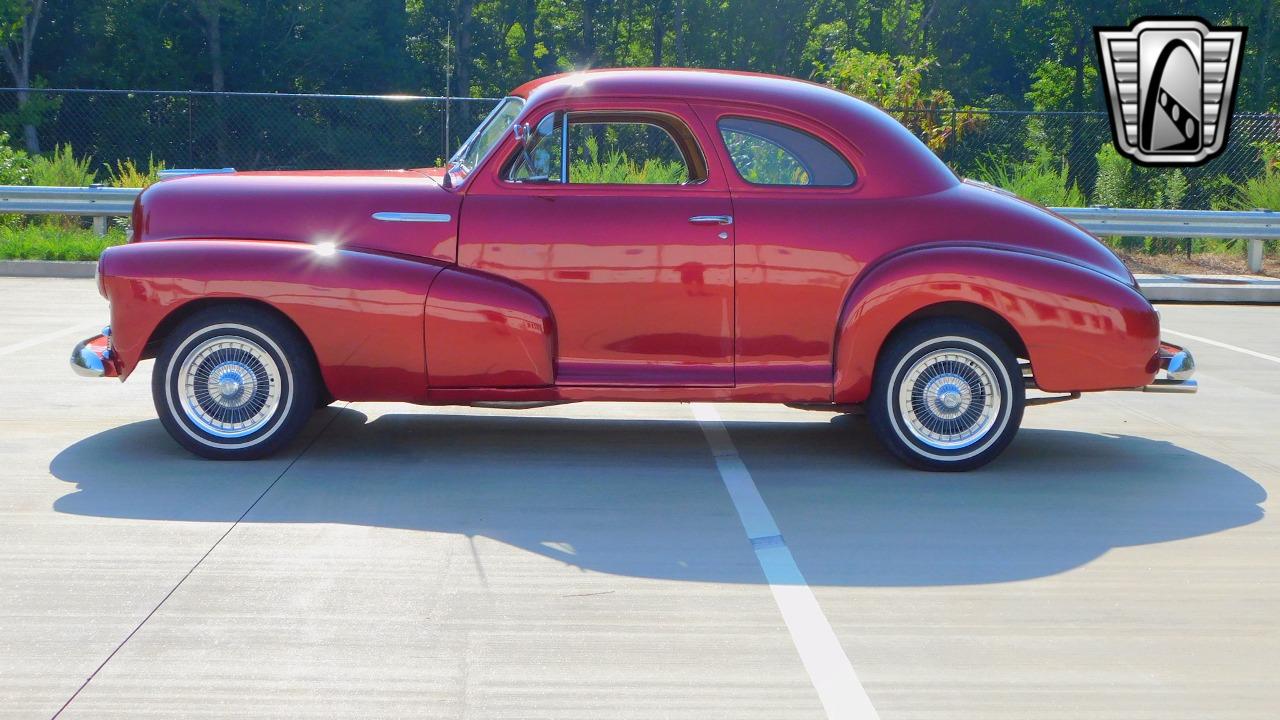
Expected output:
{"points": [[947, 395], [234, 382]]}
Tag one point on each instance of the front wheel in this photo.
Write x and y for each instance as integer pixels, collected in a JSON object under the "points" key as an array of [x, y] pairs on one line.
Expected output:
{"points": [[947, 395], [234, 383]]}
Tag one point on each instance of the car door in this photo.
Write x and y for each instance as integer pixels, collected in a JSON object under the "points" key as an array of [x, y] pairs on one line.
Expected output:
{"points": [[614, 216], [798, 242]]}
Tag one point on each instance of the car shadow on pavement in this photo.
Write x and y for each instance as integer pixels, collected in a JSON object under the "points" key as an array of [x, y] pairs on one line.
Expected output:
{"points": [[642, 498]]}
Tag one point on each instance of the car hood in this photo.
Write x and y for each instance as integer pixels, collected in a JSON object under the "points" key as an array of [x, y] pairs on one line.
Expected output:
{"points": [[314, 207]]}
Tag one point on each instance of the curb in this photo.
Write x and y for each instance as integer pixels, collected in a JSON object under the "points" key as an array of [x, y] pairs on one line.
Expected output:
{"points": [[1235, 289], [48, 268]]}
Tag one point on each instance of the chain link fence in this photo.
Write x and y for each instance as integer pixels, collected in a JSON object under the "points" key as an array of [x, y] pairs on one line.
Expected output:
{"points": [[972, 139], [247, 131], [256, 131]]}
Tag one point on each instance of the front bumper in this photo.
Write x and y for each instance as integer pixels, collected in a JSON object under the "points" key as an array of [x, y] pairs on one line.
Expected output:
{"points": [[1177, 366], [94, 357]]}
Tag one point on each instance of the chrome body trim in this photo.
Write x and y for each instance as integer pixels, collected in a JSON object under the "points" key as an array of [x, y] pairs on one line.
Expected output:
{"points": [[179, 172], [564, 149], [711, 219], [86, 362], [412, 217], [1165, 385], [1180, 365]]}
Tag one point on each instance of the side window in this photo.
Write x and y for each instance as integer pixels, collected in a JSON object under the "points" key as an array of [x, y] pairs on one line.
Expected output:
{"points": [[623, 153], [768, 153], [609, 148]]}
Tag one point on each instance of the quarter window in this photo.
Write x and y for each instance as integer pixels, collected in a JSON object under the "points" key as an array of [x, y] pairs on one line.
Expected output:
{"points": [[769, 153], [539, 160]]}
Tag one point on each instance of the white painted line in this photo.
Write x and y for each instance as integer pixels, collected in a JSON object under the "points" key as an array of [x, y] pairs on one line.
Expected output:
{"points": [[829, 668], [40, 339], [1223, 345]]}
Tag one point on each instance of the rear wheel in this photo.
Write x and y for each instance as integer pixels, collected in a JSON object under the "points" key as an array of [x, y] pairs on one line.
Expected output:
{"points": [[947, 395], [234, 383]]}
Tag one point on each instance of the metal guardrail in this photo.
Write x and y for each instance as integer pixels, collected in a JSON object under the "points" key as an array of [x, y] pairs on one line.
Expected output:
{"points": [[96, 201], [1255, 226]]}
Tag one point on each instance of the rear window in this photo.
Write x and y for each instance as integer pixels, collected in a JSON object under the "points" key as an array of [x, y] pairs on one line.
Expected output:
{"points": [[769, 153]]}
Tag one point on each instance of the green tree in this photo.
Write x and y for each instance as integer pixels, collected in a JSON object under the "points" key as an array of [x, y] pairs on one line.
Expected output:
{"points": [[898, 85], [19, 22]]}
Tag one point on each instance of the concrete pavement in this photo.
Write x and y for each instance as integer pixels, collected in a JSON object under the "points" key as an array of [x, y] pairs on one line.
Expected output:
{"points": [[586, 561]]}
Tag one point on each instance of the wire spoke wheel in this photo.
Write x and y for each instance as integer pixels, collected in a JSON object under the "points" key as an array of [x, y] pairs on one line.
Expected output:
{"points": [[947, 395], [234, 382], [950, 399], [229, 386]]}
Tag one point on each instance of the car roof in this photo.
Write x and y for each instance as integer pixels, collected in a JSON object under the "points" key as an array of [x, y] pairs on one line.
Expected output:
{"points": [[902, 164]]}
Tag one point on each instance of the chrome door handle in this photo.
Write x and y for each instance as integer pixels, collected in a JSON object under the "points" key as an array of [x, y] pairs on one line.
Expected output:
{"points": [[411, 217], [711, 219]]}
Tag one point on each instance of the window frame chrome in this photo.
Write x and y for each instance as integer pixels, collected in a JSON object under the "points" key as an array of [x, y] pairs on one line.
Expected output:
{"points": [[453, 159]]}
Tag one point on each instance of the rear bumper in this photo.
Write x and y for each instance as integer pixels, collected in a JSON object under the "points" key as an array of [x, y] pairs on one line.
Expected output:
{"points": [[1177, 367], [94, 357]]}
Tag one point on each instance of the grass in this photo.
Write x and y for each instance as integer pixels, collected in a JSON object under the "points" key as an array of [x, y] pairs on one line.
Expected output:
{"points": [[1041, 179], [128, 174], [50, 242]]}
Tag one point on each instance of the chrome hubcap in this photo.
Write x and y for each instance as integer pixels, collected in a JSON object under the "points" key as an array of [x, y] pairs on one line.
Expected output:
{"points": [[949, 399], [229, 385]]}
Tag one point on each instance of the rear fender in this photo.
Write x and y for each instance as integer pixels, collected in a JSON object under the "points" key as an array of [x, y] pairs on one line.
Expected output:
{"points": [[1083, 330], [362, 312]]}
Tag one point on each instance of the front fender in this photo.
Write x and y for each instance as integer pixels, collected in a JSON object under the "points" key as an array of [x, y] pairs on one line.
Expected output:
{"points": [[1083, 330], [487, 331], [362, 312]]}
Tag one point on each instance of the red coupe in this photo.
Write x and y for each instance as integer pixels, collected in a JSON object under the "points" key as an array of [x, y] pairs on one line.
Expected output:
{"points": [[670, 235]]}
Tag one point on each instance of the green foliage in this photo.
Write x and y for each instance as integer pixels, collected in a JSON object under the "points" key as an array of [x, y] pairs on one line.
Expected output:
{"points": [[616, 168], [897, 84], [52, 242], [997, 52], [127, 173], [1257, 193], [1042, 180], [1120, 183], [763, 162], [62, 168], [1270, 151], [1115, 183], [15, 166], [1260, 193], [1051, 87]]}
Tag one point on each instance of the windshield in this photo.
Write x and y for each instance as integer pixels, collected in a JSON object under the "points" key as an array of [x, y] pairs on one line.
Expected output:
{"points": [[485, 137]]}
